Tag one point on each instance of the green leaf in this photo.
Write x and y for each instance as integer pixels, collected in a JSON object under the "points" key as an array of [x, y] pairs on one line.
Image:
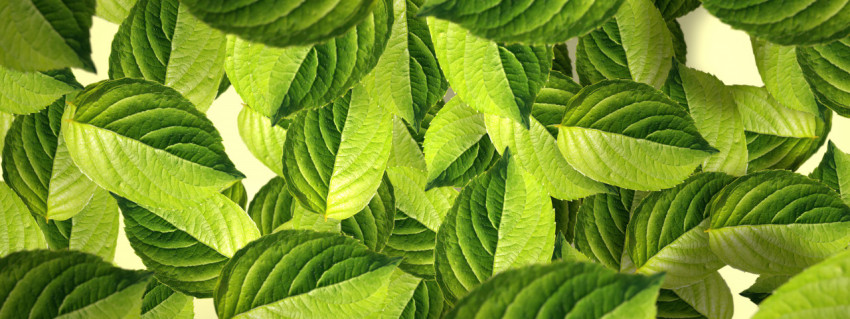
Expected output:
{"points": [[825, 69], [426, 302], [6, 120], [94, 229], [716, 116], [334, 157], [457, 147], [785, 22], [780, 152], [553, 101], [672, 9], [566, 213], [160, 301], [374, 224], [20, 231], [527, 22], [680, 47], [492, 78], [782, 75], [777, 223], [145, 142], [406, 151], [278, 82], [562, 290], [565, 251], [820, 290], [307, 272], [600, 228], [765, 115], [283, 23], [834, 171], [68, 284], [46, 35], [667, 232], [503, 219], [29, 92], [303, 219], [764, 287], [69, 190], [114, 11], [272, 206], [636, 45], [161, 42], [263, 139], [611, 116], [562, 62], [709, 298], [237, 194], [408, 78], [186, 249], [418, 218]]}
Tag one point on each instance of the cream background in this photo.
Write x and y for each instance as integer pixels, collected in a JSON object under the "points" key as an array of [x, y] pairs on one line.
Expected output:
{"points": [[712, 47]]}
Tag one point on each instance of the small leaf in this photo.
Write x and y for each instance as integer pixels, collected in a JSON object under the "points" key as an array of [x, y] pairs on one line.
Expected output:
{"points": [[263, 139], [160, 301], [114, 11], [30, 92], [782, 75], [374, 224], [600, 230], [764, 287], [21, 233]]}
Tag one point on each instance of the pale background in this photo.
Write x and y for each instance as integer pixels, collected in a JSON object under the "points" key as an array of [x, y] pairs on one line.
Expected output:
{"points": [[713, 47]]}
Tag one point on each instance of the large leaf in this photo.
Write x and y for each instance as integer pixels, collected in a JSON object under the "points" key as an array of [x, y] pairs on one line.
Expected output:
{"points": [[636, 45], [785, 22], [672, 9], [277, 82], [503, 219], [145, 142], [783, 76], [608, 118], [68, 284], [492, 78], [708, 298], [457, 147], [334, 157], [20, 232], [30, 92], [667, 231], [294, 274], [825, 68], [283, 23], [114, 11], [716, 116], [528, 21], [777, 223], [46, 35], [263, 139], [186, 249], [600, 228], [408, 79], [161, 42], [820, 290], [160, 301], [562, 290], [418, 218]]}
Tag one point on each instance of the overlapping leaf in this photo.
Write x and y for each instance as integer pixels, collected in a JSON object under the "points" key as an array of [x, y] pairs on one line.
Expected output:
{"points": [[161, 42], [374, 224], [406, 151], [283, 23], [114, 11], [263, 139], [607, 118], [777, 223], [825, 69], [600, 228], [527, 22], [834, 171], [672, 9], [20, 232], [503, 219], [160, 301], [492, 78], [708, 298], [278, 82], [764, 287], [782, 75], [30, 92]]}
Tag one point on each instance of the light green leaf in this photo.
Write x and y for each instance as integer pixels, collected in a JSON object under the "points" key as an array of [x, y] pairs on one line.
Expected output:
{"points": [[764, 287], [600, 228], [186, 249], [503, 219], [334, 157], [672, 9], [765, 115], [782, 76], [6, 120], [834, 171], [237, 194], [278, 82], [114, 11], [374, 224], [160, 301], [457, 147], [716, 116], [69, 190], [709, 298], [295, 274], [95, 229], [263, 139], [527, 22], [402, 287], [777, 223], [782, 152], [161, 42], [68, 284], [818, 291], [272, 206], [667, 232], [406, 150], [19, 232], [565, 251], [494, 79], [408, 79], [303, 219], [418, 218], [145, 142], [604, 119], [283, 23], [825, 69], [425, 302], [562, 290], [635, 45], [553, 101], [29, 92], [785, 22], [42, 35]]}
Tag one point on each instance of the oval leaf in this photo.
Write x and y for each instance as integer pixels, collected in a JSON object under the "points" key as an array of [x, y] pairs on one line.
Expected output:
{"points": [[600, 228], [782, 75], [825, 69]]}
